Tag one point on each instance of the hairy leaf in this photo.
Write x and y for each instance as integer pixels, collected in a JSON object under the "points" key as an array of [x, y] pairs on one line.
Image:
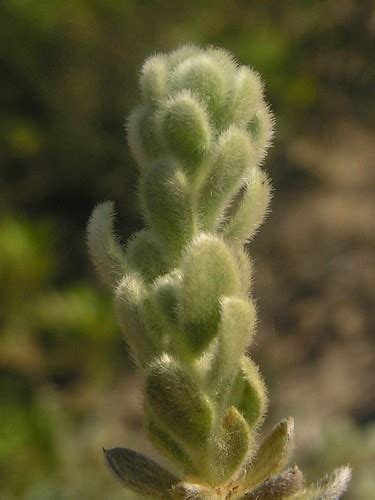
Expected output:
{"points": [[165, 295], [186, 130], [248, 393], [137, 320], [178, 402], [153, 79], [144, 255], [167, 205], [278, 487], [105, 250], [168, 445], [237, 321], [331, 487], [247, 96], [209, 272], [272, 455], [232, 158], [251, 211], [202, 76], [233, 444], [139, 473], [261, 129], [142, 135]]}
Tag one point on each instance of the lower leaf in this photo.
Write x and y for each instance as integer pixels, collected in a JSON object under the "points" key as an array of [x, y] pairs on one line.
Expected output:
{"points": [[331, 487], [278, 487], [272, 455], [139, 473]]}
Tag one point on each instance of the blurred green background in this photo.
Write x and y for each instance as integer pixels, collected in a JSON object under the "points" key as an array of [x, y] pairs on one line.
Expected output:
{"points": [[68, 79]]}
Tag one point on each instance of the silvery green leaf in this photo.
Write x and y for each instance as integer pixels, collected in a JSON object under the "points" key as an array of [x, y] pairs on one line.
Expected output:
{"points": [[139, 473]]}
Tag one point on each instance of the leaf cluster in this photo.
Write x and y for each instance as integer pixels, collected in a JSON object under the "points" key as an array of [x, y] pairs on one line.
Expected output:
{"points": [[182, 284]]}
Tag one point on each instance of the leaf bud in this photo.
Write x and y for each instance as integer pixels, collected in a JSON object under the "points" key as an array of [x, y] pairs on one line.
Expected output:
{"points": [[186, 131]]}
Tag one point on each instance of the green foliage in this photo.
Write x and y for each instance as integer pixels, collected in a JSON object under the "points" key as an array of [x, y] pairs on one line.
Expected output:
{"points": [[199, 136]]}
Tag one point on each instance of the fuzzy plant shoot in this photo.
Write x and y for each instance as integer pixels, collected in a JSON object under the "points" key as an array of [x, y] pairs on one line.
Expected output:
{"points": [[182, 286]]}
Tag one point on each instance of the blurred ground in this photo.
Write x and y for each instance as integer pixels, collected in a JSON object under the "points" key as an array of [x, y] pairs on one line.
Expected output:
{"points": [[68, 79]]}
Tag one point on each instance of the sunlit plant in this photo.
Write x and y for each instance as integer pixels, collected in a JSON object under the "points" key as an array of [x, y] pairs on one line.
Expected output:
{"points": [[183, 285]]}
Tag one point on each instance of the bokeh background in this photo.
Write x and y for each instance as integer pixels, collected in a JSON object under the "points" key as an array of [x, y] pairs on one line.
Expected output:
{"points": [[68, 73]]}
